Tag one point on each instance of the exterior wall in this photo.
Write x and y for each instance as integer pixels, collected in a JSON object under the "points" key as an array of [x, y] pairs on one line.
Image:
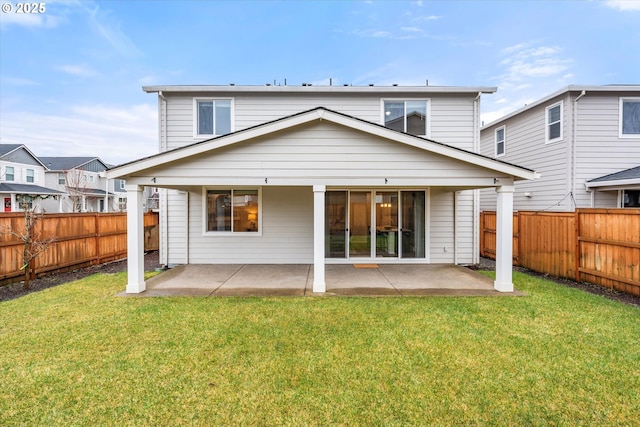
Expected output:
{"points": [[599, 149], [451, 117], [286, 238], [525, 145], [92, 202], [287, 230]]}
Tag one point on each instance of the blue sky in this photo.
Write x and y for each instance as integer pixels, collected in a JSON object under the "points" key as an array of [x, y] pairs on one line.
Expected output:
{"points": [[71, 77]]}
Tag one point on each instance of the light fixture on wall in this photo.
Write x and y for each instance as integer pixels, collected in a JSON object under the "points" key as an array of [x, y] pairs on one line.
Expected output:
{"points": [[528, 194]]}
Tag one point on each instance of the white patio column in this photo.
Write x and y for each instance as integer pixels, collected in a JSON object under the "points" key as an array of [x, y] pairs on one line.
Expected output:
{"points": [[504, 239], [135, 240], [318, 238]]}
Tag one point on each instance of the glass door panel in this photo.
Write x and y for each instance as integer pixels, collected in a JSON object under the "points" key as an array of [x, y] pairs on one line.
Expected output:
{"points": [[413, 224], [335, 227], [386, 224], [360, 224]]}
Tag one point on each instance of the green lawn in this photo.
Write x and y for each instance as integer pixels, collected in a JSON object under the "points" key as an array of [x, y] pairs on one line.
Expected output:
{"points": [[78, 355]]}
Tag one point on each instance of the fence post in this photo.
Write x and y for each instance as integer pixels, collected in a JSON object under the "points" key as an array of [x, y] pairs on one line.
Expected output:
{"points": [[577, 254]]}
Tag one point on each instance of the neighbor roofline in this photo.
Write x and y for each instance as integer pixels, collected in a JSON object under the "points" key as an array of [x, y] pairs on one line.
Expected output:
{"points": [[564, 90], [317, 89], [612, 183], [19, 146]]}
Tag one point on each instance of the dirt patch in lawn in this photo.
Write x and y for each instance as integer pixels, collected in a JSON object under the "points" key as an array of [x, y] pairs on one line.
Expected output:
{"points": [[16, 290], [612, 294]]}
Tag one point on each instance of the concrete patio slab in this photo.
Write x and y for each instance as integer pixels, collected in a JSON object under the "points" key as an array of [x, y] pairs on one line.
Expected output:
{"points": [[296, 280]]}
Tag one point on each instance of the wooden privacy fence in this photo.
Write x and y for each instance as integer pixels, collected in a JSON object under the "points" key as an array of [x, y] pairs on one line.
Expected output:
{"points": [[79, 239], [600, 246]]}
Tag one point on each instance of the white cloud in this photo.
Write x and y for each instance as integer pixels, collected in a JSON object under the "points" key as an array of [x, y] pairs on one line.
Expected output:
{"points": [[77, 70], [624, 5], [18, 81], [115, 134]]}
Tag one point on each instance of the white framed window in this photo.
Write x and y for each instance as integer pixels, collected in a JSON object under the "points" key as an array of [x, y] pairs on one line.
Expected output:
{"points": [[501, 140], [122, 184], [553, 121], [232, 211], [407, 115], [61, 179], [31, 175], [9, 173], [212, 117], [629, 118], [631, 198], [91, 179]]}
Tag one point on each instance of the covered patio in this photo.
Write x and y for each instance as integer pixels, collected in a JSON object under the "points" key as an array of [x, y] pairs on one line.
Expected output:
{"points": [[219, 280]]}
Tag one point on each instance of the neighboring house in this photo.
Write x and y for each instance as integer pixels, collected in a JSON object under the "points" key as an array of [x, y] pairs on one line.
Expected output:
{"points": [[575, 138], [308, 174], [82, 181], [22, 179]]}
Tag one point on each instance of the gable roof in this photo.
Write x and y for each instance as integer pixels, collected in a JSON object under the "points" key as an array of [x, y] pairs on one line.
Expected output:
{"points": [[7, 149], [316, 115], [67, 163], [625, 177]]}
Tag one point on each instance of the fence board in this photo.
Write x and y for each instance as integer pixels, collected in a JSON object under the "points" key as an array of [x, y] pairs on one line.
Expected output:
{"points": [[600, 246], [81, 239]]}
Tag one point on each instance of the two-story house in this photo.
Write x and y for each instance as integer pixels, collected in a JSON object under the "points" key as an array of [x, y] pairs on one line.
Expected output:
{"points": [[83, 182], [583, 140], [318, 175], [22, 180]]}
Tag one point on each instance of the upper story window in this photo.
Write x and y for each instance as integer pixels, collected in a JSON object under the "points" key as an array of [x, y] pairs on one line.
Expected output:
{"points": [[408, 116], [122, 184], [232, 210], [212, 117], [9, 173], [62, 180], [629, 117], [91, 179], [501, 138], [554, 122], [31, 175]]}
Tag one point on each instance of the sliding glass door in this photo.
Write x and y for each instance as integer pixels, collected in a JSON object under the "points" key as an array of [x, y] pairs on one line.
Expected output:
{"points": [[375, 224]]}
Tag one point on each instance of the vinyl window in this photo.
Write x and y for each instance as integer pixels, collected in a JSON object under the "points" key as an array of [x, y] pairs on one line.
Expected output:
{"points": [[629, 117], [232, 210], [9, 173], [501, 138], [31, 175], [212, 117], [409, 116], [554, 122]]}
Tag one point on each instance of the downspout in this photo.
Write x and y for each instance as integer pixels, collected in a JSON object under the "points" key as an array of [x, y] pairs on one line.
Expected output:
{"points": [[162, 194], [475, 259], [574, 152]]}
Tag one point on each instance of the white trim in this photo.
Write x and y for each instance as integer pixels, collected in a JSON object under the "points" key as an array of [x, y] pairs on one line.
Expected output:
{"points": [[547, 140], [621, 101], [503, 128], [196, 135], [428, 108], [612, 183], [208, 233], [167, 89]]}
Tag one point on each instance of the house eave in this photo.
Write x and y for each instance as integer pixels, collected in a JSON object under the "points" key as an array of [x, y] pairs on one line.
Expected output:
{"points": [[612, 185], [232, 89]]}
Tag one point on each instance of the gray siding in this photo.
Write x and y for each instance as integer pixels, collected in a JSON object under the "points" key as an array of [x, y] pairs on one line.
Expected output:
{"points": [[525, 146], [599, 149], [451, 118], [591, 148]]}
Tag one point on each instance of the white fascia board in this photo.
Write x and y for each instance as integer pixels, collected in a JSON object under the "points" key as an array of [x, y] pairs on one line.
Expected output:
{"points": [[613, 183], [337, 182], [572, 88], [317, 89]]}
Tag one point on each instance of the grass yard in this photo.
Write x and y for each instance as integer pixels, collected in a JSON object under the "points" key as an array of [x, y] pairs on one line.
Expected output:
{"points": [[78, 355]]}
